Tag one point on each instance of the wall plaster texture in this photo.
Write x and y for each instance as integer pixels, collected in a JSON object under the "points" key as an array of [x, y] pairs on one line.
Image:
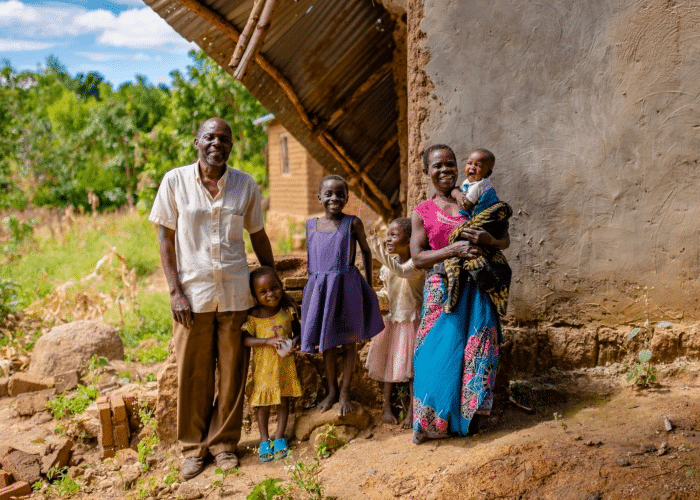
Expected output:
{"points": [[593, 112]]}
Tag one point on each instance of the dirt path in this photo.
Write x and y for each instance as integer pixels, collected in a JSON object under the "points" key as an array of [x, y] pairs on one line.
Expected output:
{"points": [[605, 443]]}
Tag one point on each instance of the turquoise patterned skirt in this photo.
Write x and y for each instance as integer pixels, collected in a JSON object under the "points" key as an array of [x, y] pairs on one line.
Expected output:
{"points": [[455, 360]]}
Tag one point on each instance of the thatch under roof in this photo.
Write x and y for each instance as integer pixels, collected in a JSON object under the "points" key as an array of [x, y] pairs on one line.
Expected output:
{"points": [[325, 71]]}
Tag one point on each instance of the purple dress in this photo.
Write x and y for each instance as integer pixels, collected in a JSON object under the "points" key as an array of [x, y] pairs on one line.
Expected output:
{"points": [[339, 307]]}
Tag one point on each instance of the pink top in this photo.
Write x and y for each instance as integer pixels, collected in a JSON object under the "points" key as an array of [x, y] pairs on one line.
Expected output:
{"points": [[438, 225]]}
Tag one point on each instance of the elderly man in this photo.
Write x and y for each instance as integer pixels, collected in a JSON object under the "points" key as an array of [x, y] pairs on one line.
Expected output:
{"points": [[201, 211]]}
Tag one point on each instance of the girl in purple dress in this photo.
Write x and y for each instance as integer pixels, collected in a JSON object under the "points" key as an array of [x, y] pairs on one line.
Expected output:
{"points": [[339, 308]]}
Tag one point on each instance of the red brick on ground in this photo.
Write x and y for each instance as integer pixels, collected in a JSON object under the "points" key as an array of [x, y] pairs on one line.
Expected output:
{"points": [[122, 435], [16, 490], [29, 403], [66, 381], [22, 382], [58, 458], [118, 409], [105, 413], [23, 466], [5, 478]]}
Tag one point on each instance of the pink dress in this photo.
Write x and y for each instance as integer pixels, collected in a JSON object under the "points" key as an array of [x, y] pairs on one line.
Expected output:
{"points": [[390, 357]]}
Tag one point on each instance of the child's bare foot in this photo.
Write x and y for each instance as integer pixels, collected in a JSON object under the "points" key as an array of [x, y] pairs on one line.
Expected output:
{"points": [[344, 404], [408, 421], [388, 416], [328, 401]]}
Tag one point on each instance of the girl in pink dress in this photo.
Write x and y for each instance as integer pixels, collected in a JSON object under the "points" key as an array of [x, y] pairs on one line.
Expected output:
{"points": [[390, 358]]}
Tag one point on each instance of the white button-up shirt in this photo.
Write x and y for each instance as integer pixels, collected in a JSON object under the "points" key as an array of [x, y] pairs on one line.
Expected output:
{"points": [[211, 259]]}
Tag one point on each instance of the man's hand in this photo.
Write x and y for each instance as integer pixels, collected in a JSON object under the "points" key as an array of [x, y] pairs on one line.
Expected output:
{"points": [[181, 309]]}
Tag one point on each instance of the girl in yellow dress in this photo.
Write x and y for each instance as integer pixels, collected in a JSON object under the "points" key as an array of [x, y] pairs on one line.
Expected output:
{"points": [[272, 330]]}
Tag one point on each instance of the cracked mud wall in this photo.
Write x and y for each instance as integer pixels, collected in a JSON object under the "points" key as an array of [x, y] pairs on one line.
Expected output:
{"points": [[593, 112]]}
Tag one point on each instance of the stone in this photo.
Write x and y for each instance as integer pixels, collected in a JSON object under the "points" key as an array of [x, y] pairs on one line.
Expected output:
{"points": [[16, 490], [66, 381], [30, 403], [87, 424], [23, 466], [623, 462], [166, 404], [359, 418], [127, 456], [189, 491], [21, 383], [70, 347], [130, 474], [58, 457], [343, 434], [5, 478], [4, 387]]}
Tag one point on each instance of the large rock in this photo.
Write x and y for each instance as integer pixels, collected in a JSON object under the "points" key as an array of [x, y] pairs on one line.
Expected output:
{"points": [[359, 418], [166, 404], [70, 347]]}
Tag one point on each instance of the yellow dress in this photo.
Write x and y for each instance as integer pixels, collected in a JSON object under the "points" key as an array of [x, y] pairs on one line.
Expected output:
{"points": [[274, 377]]}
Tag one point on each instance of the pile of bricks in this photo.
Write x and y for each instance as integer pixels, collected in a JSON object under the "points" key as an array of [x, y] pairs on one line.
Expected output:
{"points": [[294, 287], [19, 471], [118, 417]]}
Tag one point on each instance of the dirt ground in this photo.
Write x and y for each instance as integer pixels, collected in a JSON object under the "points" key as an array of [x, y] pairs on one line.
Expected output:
{"points": [[606, 442]]}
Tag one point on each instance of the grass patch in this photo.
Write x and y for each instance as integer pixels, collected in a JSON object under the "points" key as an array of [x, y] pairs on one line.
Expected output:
{"points": [[45, 262], [73, 403]]}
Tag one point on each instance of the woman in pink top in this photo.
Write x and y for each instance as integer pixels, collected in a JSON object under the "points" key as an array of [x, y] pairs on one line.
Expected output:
{"points": [[456, 352]]}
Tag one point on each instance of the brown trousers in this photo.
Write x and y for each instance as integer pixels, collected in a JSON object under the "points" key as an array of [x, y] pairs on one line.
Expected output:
{"points": [[203, 423]]}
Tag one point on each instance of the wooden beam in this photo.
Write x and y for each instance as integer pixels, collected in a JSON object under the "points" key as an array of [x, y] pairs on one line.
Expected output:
{"points": [[245, 36], [380, 203], [351, 101], [256, 40], [379, 153]]}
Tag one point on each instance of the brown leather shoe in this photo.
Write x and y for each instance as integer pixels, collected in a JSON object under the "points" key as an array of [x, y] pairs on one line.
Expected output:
{"points": [[191, 467], [226, 461]]}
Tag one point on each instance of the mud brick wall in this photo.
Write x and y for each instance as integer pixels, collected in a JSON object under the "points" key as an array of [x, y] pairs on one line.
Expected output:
{"points": [[591, 110]]}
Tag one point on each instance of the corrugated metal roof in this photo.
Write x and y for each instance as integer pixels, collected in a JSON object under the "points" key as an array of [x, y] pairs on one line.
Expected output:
{"points": [[326, 50]]}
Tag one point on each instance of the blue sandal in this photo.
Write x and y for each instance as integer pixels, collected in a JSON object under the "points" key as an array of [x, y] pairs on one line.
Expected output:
{"points": [[281, 448], [265, 452]]}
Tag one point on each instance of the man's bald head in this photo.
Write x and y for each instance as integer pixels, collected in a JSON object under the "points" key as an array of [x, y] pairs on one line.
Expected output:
{"points": [[215, 121]]}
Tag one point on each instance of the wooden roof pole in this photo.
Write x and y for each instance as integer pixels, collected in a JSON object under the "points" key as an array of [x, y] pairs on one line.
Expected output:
{"points": [[256, 40], [245, 36], [341, 156]]}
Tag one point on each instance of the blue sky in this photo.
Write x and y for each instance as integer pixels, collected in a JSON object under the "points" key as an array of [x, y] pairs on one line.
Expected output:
{"points": [[118, 39]]}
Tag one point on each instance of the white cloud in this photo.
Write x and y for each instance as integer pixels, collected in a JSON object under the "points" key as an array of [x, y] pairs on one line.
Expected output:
{"points": [[10, 45], [114, 56], [133, 28], [141, 28]]}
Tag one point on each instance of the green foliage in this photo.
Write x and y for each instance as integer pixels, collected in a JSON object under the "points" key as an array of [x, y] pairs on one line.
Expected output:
{"points": [[146, 446], [560, 420], [219, 483], [72, 403], [323, 439], [305, 481], [641, 371], [268, 489], [75, 255], [63, 486], [19, 230], [153, 354], [63, 135], [8, 298]]}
